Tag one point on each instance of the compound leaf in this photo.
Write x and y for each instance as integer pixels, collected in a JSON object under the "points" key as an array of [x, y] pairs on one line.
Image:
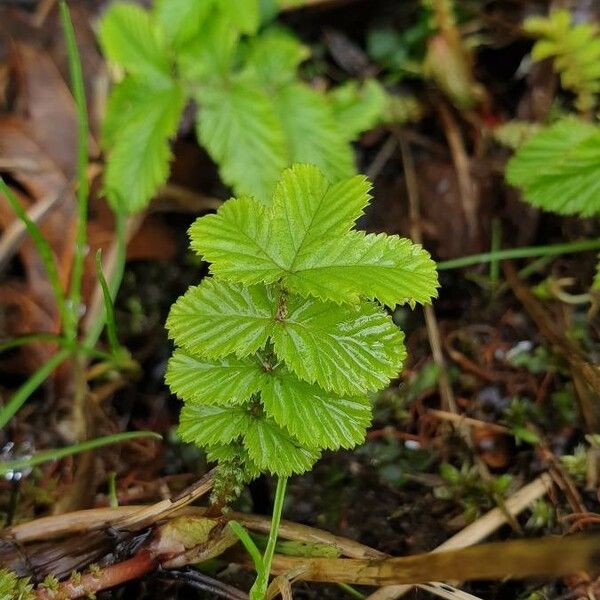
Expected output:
{"points": [[216, 318], [221, 382], [243, 14], [272, 449], [558, 169], [139, 159], [315, 417], [130, 38], [344, 349], [293, 242], [212, 425], [239, 128]]}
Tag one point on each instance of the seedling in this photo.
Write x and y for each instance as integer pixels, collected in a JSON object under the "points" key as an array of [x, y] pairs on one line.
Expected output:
{"points": [[279, 349]]}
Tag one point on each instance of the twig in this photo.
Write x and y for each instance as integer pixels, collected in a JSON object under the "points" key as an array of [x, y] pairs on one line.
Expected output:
{"points": [[433, 330], [463, 171]]}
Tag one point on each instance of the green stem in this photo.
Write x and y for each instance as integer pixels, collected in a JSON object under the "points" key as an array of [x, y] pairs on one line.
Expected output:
{"points": [[58, 453], [20, 396], [82, 167], [528, 252], [259, 589]]}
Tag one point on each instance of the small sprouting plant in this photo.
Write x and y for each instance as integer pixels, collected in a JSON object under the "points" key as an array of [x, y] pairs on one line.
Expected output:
{"points": [[518, 417], [576, 464], [279, 349], [466, 486], [575, 49]]}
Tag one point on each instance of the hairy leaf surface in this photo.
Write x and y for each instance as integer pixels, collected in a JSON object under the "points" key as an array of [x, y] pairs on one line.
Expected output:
{"points": [[344, 349], [317, 418], [217, 318]]}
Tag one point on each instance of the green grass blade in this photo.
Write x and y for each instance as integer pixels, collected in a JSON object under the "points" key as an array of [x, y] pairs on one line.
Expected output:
{"points": [[249, 544], [82, 167], [42, 247], [58, 453], [31, 338], [97, 326], [111, 324], [22, 394], [512, 253]]}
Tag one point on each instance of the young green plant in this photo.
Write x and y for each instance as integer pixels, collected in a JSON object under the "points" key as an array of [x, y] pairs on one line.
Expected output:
{"points": [[278, 351]]}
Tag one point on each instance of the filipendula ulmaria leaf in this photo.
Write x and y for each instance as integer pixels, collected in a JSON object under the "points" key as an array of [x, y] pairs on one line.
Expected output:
{"points": [[295, 242], [274, 56], [222, 382], [312, 132], [272, 449], [345, 349], [558, 169], [239, 128], [182, 20], [130, 38], [138, 163], [314, 416], [212, 425], [390, 269], [216, 318]]}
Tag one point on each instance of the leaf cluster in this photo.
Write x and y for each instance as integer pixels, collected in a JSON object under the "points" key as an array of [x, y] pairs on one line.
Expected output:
{"points": [[575, 49], [254, 115], [279, 349]]}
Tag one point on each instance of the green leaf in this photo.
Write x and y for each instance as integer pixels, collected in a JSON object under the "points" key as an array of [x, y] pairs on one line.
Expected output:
{"points": [[308, 210], [313, 134], [274, 56], [596, 282], [296, 242], [238, 241], [131, 39], [275, 451], [240, 130], [138, 163], [221, 382], [558, 169], [390, 269], [344, 349], [182, 20], [244, 14], [212, 425], [359, 108], [316, 418], [209, 58], [215, 319]]}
